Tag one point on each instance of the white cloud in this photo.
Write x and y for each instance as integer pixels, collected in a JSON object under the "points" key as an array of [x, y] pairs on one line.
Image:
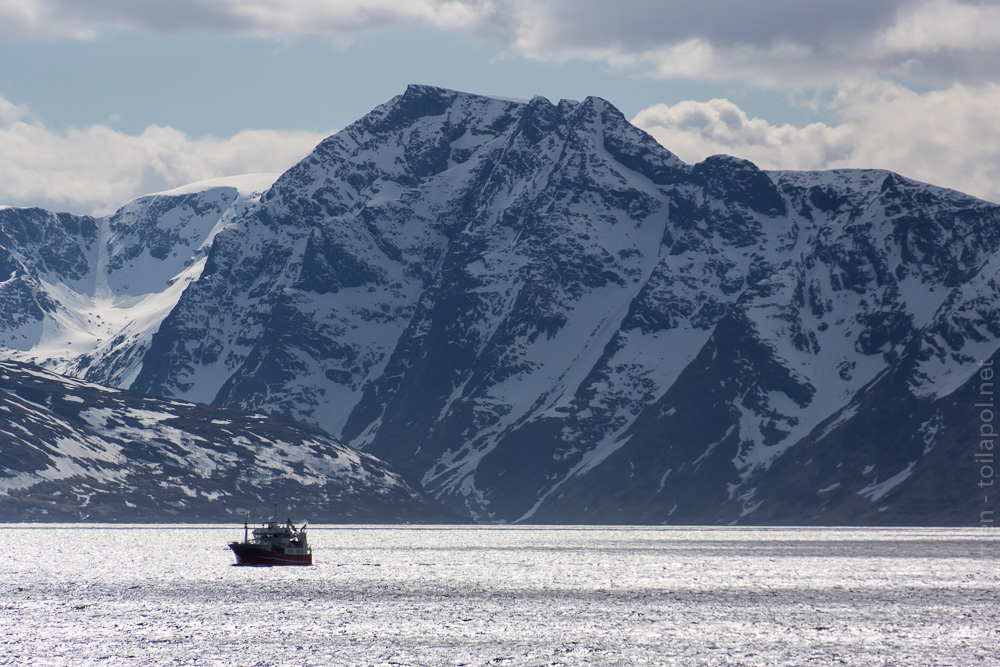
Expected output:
{"points": [[936, 25], [96, 169], [694, 130], [945, 137], [10, 112]]}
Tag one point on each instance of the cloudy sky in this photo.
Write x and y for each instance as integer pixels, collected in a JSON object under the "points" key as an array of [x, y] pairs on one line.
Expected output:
{"points": [[105, 100]]}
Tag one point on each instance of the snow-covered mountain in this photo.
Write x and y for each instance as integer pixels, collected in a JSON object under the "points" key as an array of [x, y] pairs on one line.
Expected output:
{"points": [[72, 450], [85, 295], [543, 315]]}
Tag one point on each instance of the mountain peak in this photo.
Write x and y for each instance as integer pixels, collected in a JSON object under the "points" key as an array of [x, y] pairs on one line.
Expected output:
{"points": [[420, 91], [424, 101]]}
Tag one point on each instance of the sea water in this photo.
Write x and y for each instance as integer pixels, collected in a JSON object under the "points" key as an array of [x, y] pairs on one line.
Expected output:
{"points": [[170, 595]]}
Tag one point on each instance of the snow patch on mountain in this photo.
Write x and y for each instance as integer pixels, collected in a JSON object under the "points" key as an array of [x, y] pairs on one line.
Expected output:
{"points": [[72, 450]]}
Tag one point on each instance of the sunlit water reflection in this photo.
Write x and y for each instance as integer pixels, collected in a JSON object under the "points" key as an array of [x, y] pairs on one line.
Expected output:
{"points": [[151, 595]]}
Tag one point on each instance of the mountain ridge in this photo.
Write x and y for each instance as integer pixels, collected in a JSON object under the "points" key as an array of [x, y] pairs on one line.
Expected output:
{"points": [[521, 302], [76, 451]]}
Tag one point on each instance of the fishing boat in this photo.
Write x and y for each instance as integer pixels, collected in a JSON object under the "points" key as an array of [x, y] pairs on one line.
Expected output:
{"points": [[273, 543]]}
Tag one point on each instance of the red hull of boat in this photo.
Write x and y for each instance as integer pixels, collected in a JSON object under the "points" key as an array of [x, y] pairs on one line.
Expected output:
{"points": [[253, 556]]}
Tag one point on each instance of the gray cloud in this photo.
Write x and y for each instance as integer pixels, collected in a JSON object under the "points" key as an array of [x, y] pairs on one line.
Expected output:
{"points": [[642, 25], [775, 43], [766, 42], [48, 19]]}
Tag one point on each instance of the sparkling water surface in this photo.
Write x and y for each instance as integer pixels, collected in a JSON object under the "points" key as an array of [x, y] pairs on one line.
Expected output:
{"points": [[169, 595]]}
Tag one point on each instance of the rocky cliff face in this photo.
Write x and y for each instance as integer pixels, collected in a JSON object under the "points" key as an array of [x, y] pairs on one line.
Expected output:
{"points": [[543, 315]]}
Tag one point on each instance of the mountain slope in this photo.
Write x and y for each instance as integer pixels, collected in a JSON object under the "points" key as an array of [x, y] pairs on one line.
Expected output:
{"points": [[72, 450], [85, 295], [543, 315]]}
